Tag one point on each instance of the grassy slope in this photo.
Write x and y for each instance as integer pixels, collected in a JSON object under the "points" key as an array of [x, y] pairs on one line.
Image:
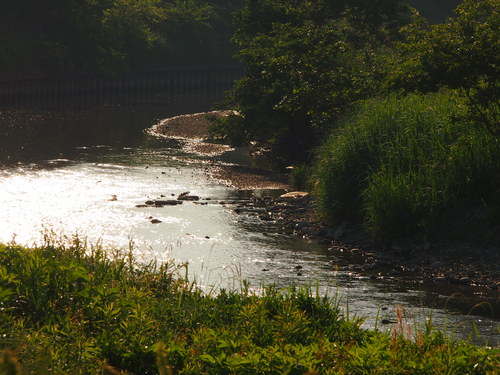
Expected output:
{"points": [[73, 310]]}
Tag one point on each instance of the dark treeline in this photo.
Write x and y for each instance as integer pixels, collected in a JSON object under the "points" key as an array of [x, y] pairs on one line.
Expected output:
{"points": [[54, 37]]}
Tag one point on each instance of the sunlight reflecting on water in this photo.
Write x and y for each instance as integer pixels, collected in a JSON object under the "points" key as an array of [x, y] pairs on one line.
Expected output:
{"points": [[92, 190]]}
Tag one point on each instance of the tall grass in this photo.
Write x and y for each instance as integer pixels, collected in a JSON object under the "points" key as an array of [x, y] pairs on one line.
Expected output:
{"points": [[402, 164], [75, 310]]}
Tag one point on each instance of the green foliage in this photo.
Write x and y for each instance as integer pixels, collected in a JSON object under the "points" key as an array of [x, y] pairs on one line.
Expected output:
{"points": [[59, 37], [108, 314], [306, 62], [400, 164], [462, 53], [131, 30], [300, 177]]}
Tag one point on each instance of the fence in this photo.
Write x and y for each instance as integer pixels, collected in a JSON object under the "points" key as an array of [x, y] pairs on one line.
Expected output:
{"points": [[143, 87]]}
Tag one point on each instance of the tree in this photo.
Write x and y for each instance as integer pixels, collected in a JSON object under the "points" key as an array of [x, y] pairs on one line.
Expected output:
{"points": [[88, 36], [307, 61], [463, 53], [131, 31]]}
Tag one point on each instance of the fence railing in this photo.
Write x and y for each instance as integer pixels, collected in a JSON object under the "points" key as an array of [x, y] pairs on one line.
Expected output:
{"points": [[141, 87]]}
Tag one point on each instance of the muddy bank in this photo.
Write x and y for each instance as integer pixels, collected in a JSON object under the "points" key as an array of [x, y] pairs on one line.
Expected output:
{"points": [[248, 178]]}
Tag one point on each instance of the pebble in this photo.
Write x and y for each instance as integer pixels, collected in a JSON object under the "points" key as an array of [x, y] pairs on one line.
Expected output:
{"points": [[387, 321], [440, 279], [465, 280], [301, 225], [265, 218], [437, 265]]}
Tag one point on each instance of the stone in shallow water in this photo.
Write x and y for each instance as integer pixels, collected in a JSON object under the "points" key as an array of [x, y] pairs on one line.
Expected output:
{"points": [[164, 202], [440, 279], [189, 198], [465, 280], [186, 197], [295, 194]]}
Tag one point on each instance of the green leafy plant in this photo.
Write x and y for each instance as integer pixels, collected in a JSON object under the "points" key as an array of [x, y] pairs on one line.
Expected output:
{"points": [[462, 53]]}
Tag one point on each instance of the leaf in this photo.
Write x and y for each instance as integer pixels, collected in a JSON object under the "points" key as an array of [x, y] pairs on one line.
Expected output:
{"points": [[207, 358]]}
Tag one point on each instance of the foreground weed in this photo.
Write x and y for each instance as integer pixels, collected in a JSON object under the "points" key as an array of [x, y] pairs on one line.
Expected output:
{"points": [[69, 311]]}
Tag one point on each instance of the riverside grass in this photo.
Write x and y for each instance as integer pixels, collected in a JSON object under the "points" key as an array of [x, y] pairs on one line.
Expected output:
{"points": [[402, 165], [76, 309]]}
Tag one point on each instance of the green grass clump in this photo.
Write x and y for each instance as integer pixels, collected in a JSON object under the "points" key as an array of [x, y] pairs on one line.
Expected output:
{"points": [[300, 177], [77, 310], [401, 165]]}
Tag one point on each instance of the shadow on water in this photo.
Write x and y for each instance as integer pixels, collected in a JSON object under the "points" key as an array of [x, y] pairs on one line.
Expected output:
{"points": [[47, 133]]}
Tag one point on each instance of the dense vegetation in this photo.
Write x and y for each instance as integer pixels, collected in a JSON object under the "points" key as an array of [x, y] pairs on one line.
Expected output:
{"points": [[82, 36], [74, 310], [394, 159]]}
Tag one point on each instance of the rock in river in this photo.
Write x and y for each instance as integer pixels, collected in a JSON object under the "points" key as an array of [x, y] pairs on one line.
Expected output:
{"points": [[186, 197]]}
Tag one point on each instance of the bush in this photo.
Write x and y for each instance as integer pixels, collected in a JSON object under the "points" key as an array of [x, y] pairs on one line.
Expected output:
{"points": [[306, 62]]}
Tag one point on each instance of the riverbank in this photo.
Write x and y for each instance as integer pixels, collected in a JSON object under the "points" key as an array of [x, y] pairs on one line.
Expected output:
{"points": [[461, 264], [73, 310], [193, 128]]}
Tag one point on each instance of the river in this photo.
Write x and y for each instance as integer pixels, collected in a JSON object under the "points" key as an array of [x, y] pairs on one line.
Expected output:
{"points": [[83, 173]]}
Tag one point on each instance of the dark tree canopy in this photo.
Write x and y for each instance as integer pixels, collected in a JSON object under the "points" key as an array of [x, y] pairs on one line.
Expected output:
{"points": [[307, 61], [67, 36]]}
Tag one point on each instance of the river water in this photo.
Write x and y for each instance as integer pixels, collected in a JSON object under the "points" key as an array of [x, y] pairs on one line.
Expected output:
{"points": [[82, 173]]}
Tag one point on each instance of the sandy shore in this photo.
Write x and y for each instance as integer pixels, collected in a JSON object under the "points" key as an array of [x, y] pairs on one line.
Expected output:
{"points": [[190, 126], [194, 128]]}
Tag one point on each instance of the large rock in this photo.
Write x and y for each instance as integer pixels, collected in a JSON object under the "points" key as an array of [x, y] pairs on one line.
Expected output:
{"points": [[186, 197]]}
